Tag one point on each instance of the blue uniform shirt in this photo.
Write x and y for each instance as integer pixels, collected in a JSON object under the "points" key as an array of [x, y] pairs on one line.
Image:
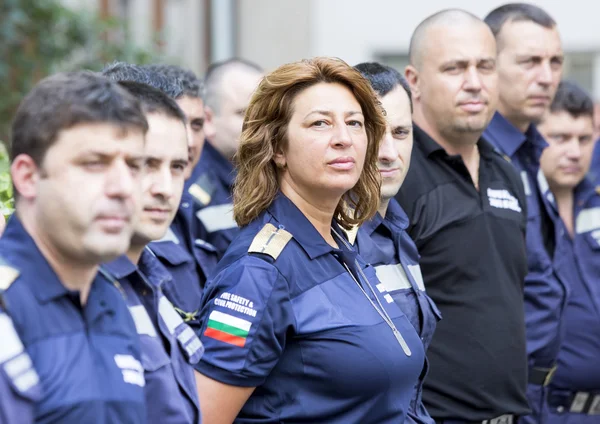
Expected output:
{"points": [[580, 353], [284, 315], [19, 382], [87, 357], [545, 292], [189, 259], [594, 172], [385, 244], [169, 346], [212, 193]]}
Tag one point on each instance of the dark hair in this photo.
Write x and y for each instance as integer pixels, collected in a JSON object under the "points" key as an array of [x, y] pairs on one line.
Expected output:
{"points": [[64, 100], [153, 100], [191, 84], [121, 71], [383, 78], [215, 73], [572, 99], [517, 12]]}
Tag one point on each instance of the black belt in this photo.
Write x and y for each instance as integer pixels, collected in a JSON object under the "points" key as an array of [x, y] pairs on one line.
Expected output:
{"points": [[541, 376], [502, 419], [575, 402]]}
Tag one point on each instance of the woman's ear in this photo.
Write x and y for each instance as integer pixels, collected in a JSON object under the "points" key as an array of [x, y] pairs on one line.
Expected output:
{"points": [[279, 158]]}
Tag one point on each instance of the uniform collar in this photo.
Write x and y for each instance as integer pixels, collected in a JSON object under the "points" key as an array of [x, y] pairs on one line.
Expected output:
{"points": [[293, 220], [222, 167], [396, 216], [120, 268], [585, 191], [23, 254], [429, 146], [395, 219], [509, 139]]}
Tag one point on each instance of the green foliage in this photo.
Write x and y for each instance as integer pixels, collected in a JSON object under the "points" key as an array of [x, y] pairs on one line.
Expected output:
{"points": [[6, 188], [41, 37]]}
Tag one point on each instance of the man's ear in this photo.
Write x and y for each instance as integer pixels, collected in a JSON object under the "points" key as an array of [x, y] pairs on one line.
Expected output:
{"points": [[209, 123], [412, 77], [25, 174]]}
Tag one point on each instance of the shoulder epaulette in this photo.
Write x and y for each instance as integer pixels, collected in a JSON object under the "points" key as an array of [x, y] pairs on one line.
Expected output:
{"points": [[506, 158], [351, 234], [270, 241], [202, 189], [8, 275], [597, 189]]}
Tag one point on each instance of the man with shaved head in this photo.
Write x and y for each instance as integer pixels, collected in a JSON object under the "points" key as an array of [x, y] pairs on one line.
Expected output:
{"points": [[467, 216], [229, 86], [530, 61]]}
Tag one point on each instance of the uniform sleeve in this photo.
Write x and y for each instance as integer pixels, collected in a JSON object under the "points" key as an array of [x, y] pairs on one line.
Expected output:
{"points": [[19, 383], [246, 317]]}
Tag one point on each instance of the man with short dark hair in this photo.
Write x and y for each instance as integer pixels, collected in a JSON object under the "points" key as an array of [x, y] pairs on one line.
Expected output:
{"points": [[182, 250], [191, 101], [466, 211], [568, 128], [76, 151], [530, 61], [383, 241], [169, 346], [229, 86]]}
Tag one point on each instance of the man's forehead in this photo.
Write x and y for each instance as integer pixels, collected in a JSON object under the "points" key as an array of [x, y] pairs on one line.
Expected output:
{"points": [[102, 138], [475, 43], [530, 37], [559, 119]]}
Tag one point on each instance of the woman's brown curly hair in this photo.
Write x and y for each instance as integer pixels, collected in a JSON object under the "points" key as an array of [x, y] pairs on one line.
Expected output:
{"points": [[265, 132]]}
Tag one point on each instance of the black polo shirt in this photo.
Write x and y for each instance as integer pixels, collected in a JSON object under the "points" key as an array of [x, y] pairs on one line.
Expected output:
{"points": [[473, 260]]}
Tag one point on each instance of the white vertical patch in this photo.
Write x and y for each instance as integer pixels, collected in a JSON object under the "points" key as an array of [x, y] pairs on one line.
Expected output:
{"points": [[216, 218], [171, 318], [388, 298], [588, 220], [415, 271], [11, 344], [392, 277], [542, 182], [143, 323], [526, 185], [26, 380]]}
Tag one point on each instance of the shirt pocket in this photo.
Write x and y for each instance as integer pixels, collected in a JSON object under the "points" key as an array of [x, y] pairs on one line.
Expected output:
{"points": [[154, 356]]}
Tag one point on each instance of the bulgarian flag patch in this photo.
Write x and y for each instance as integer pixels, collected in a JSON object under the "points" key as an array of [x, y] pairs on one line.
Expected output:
{"points": [[227, 328]]}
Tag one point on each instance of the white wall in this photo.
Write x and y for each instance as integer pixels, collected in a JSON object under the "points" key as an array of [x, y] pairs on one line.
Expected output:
{"points": [[358, 30]]}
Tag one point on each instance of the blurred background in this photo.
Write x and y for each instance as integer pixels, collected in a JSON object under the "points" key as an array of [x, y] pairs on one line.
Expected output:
{"points": [[38, 37]]}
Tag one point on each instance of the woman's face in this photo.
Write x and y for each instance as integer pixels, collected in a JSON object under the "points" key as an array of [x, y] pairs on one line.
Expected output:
{"points": [[326, 143]]}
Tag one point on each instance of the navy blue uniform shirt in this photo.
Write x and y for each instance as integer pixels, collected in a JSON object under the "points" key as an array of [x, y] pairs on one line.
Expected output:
{"points": [[385, 244], [19, 382], [87, 356], [579, 356], [212, 193], [295, 324], [594, 172], [188, 258], [169, 346], [545, 292]]}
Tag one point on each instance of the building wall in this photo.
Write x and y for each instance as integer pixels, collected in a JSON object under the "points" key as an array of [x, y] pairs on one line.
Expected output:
{"points": [[360, 30]]}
